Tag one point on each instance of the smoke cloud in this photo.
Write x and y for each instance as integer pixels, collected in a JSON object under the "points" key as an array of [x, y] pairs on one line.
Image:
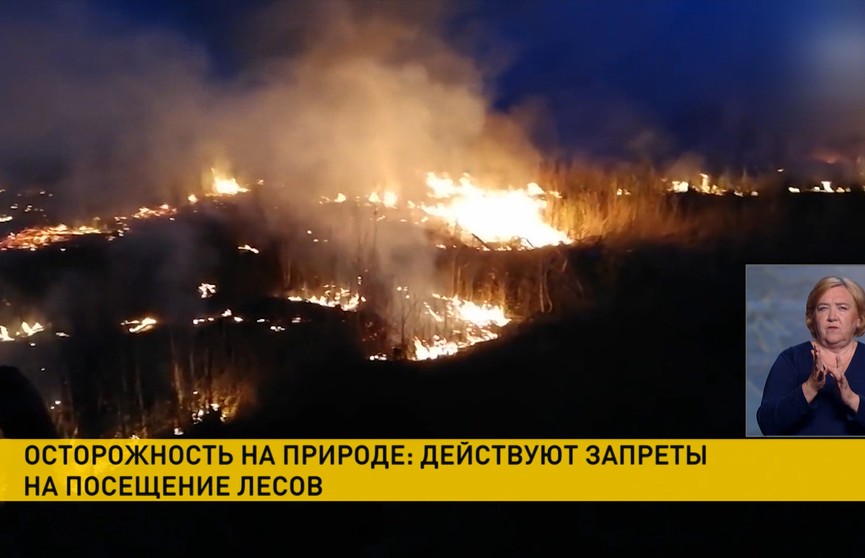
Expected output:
{"points": [[103, 116], [333, 97], [365, 98], [320, 98]]}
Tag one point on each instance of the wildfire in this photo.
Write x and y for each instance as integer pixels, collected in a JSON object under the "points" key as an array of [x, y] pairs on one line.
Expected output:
{"points": [[226, 185], [26, 330], [34, 238], [705, 187], [227, 313], [493, 216], [163, 210], [222, 401], [439, 347], [198, 416], [139, 326], [479, 315], [472, 324], [206, 290], [456, 323], [387, 199], [825, 187], [143, 213], [331, 297], [499, 218]]}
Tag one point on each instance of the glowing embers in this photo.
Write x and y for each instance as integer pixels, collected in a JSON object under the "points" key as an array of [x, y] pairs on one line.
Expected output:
{"points": [[163, 210], [219, 398], [494, 216], [140, 326], [387, 199], [227, 313], [825, 187], [331, 296], [206, 290], [220, 403], [35, 238], [704, 187], [224, 409]]}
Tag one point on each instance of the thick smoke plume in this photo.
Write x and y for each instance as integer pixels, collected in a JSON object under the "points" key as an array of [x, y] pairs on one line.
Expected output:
{"points": [[323, 98], [101, 115], [332, 96]]}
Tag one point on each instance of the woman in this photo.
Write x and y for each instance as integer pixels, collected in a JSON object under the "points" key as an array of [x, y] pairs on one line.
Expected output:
{"points": [[813, 388]]}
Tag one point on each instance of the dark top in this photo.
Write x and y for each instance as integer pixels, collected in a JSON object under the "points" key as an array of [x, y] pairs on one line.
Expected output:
{"points": [[784, 410]]}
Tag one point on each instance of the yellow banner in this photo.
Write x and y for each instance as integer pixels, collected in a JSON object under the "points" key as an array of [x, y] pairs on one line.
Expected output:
{"points": [[429, 470]]}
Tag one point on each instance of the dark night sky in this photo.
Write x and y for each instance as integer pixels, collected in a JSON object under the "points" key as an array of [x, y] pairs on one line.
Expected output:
{"points": [[729, 82], [706, 72]]}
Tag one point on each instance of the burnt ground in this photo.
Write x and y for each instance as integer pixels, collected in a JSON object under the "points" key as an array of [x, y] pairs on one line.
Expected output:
{"points": [[663, 357]]}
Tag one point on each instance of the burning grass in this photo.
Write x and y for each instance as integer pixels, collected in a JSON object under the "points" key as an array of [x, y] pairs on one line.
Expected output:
{"points": [[163, 381], [636, 203], [134, 359]]}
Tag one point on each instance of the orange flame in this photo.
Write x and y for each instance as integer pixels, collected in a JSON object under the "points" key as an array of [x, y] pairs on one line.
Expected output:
{"points": [[494, 216]]}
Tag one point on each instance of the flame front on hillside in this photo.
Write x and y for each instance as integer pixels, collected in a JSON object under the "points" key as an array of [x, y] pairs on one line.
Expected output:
{"points": [[35, 238], [471, 324], [493, 216], [424, 326], [331, 296], [452, 323], [505, 218]]}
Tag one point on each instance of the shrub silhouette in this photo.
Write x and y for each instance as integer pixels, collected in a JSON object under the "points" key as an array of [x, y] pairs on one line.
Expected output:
{"points": [[22, 411]]}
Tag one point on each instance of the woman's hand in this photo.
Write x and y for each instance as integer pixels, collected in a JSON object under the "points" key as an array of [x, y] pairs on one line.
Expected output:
{"points": [[817, 379], [848, 396]]}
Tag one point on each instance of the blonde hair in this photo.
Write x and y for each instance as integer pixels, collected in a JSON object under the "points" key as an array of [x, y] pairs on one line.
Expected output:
{"points": [[831, 282]]}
